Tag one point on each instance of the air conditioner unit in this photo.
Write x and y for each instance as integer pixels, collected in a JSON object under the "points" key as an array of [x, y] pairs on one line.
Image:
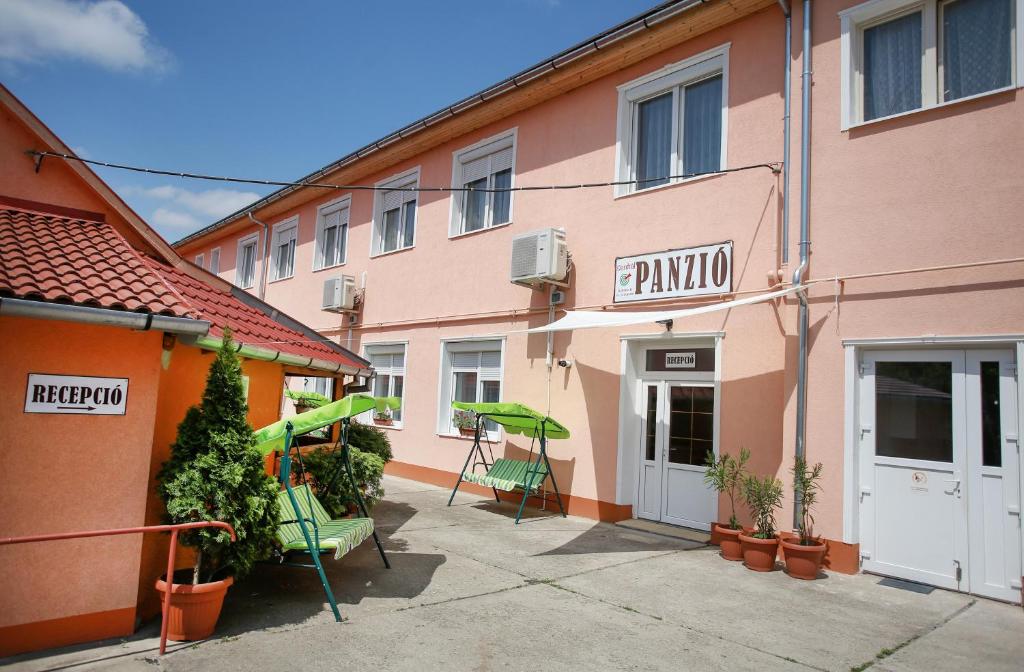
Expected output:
{"points": [[339, 293], [539, 257]]}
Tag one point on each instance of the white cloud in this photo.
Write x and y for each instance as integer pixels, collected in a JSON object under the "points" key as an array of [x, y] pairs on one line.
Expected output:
{"points": [[172, 219], [210, 203], [105, 33]]}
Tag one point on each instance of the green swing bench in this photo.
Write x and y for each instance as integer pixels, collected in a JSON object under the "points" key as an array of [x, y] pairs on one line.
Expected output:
{"points": [[507, 475], [306, 528]]}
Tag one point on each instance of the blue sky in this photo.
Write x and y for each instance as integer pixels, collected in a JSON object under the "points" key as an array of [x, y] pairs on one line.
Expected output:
{"points": [[261, 89]]}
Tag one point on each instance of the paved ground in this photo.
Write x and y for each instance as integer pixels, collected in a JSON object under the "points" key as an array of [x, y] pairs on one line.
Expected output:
{"points": [[470, 591]]}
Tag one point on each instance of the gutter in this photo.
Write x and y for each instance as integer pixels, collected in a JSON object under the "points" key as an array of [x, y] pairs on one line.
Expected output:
{"points": [[645, 21], [268, 355], [184, 326]]}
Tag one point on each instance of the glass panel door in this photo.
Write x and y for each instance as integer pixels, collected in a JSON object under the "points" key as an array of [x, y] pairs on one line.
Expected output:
{"points": [[649, 500], [689, 433]]}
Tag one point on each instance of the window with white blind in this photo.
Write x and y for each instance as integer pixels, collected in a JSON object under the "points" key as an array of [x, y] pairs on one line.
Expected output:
{"points": [[200, 261], [470, 371], [388, 361], [672, 123], [899, 56], [486, 166], [394, 213], [331, 233], [245, 269], [282, 249], [215, 260]]}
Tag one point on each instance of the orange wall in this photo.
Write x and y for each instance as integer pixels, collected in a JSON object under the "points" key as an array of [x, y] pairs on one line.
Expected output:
{"points": [[181, 386], [72, 472]]}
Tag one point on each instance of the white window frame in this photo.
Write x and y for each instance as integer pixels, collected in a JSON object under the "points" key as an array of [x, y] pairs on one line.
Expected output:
{"points": [[853, 22], [215, 261], [201, 260], [407, 179], [390, 348], [670, 77], [283, 230], [477, 150], [446, 388], [339, 204], [252, 239]]}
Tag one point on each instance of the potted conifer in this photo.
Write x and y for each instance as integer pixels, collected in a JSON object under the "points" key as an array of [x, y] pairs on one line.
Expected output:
{"points": [[804, 552], [215, 473], [764, 497], [725, 475]]}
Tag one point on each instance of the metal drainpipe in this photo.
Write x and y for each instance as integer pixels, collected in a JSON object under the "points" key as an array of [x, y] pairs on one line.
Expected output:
{"points": [[263, 257], [786, 136], [805, 250]]}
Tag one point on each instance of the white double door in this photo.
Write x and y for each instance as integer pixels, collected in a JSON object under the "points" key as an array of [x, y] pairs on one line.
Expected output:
{"points": [[939, 469], [677, 429]]}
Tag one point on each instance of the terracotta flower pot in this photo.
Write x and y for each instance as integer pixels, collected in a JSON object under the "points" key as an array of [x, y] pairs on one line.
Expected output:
{"points": [[467, 431], [194, 608], [802, 562], [386, 422], [759, 554], [729, 541]]}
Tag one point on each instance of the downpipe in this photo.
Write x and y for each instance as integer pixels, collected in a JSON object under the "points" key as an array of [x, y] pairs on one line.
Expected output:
{"points": [[786, 127]]}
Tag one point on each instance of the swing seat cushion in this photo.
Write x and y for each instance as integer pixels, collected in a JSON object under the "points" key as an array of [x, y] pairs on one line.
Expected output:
{"points": [[507, 475], [340, 536]]}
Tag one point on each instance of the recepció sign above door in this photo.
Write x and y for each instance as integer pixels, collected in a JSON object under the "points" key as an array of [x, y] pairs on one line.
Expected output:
{"points": [[692, 271], [88, 395]]}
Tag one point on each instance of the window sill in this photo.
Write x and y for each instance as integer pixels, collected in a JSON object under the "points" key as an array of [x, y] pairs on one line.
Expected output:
{"points": [[677, 183], [287, 277], [388, 254], [392, 426], [937, 106], [449, 435], [328, 268], [479, 231]]}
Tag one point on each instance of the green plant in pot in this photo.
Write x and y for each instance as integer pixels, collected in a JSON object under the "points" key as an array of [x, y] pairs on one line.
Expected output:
{"points": [[805, 552], [305, 401], [764, 497], [725, 475], [215, 473], [369, 451], [465, 422]]}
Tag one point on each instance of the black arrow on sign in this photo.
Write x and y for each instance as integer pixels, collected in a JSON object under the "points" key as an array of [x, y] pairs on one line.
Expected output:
{"points": [[77, 408]]}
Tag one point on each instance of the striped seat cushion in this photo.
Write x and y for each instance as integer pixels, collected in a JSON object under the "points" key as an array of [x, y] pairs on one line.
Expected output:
{"points": [[507, 475], [338, 535]]}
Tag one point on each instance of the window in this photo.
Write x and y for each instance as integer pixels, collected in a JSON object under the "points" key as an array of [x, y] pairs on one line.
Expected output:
{"points": [[486, 166], [245, 273], [215, 260], [331, 234], [283, 249], [470, 371], [394, 219], [905, 55], [672, 123], [200, 261], [388, 360]]}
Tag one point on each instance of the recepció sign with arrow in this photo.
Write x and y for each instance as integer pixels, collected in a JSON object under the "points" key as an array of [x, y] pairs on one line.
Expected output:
{"points": [[81, 395]]}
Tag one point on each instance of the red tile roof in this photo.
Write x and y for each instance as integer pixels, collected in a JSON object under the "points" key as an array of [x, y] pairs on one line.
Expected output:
{"points": [[71, 259], [249, 324]]}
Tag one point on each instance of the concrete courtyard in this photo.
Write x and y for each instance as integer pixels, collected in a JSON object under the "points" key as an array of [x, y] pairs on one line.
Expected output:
{"points": [[468, 590]]}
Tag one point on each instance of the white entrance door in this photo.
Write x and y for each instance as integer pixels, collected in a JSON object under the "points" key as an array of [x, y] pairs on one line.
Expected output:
{"points": [[677, 432], [939, 500]]}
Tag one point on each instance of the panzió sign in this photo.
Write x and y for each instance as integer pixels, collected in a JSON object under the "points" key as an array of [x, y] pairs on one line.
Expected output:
{"points": [[692, 271]]}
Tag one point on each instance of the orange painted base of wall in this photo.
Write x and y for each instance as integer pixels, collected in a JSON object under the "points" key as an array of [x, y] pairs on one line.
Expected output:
{"points": [[40, 635], [839, 556], [577, 506]]}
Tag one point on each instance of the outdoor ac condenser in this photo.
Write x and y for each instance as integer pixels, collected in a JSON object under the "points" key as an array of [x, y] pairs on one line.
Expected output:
{"points": [[539, 257], [339, 293]]}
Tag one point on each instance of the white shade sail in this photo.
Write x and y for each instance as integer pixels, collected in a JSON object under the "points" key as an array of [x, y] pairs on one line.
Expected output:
{"points": [[594, 319]]}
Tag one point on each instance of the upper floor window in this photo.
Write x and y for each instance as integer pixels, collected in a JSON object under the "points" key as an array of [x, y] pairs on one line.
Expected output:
{"points": [[245, 272], [394, 213], [283, 249], [672, 123], [200, 261], [485, 169], [331, 233], [388, 361], [215, 260], [905, 55]]}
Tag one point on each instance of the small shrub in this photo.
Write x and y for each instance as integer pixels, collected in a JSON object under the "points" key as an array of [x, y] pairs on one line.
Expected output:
{"points": [[323, 464], [805, 482], [725, 475], [764, 497], [370, 439]]}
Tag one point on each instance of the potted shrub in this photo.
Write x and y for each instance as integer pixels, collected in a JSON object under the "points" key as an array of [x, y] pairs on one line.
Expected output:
{"points": [[764, 497], [306, 401], [215, 473], [369, 451], [465, 421], [804, 552], [383, 418], [725, 475]]}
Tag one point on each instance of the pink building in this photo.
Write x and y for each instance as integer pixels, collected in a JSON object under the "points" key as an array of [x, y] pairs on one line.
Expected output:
{"points": [[914, 298]]}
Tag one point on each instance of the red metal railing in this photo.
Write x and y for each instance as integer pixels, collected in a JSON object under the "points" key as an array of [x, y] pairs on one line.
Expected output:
{"points": [[173, 529]]}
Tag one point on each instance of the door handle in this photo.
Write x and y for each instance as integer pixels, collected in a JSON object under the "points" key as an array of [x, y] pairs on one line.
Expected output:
{"points": [[956, 486]]}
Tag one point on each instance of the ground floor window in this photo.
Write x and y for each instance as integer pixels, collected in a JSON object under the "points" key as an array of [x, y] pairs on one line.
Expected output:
{"points": [[388, 360], [471, 371]]}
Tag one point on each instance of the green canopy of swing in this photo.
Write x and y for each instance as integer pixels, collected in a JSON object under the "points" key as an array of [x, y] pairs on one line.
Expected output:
{"points": [[272, 436], [516, 418]]}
